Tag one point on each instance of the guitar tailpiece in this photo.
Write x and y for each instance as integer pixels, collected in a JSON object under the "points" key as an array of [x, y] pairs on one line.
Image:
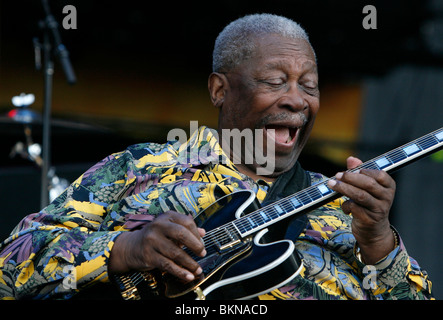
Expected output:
{"points": [[151, 282], [128, 290], [199, 292], [129, 284]]}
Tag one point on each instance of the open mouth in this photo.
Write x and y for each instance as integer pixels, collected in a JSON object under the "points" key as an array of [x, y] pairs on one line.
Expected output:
{"points": [[282, 134]]}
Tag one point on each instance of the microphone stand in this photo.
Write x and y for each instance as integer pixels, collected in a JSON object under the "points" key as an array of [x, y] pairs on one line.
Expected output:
{"points": [[50, 49]]}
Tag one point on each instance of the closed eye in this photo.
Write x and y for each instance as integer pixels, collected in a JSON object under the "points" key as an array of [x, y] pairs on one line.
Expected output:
{"points": [[275, 83], [310, 87]]}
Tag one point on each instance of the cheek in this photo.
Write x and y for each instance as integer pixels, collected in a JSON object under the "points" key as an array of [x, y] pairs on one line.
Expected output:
{"points": [[314, 106], [260, 103], [247, 107]]}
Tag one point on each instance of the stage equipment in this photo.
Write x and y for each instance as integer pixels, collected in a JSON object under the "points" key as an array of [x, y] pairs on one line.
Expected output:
{"points": [[52, 47]]}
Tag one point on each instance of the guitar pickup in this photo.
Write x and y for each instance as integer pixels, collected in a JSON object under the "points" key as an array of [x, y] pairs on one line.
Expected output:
{"points": [[227, 240], [229, 245]]}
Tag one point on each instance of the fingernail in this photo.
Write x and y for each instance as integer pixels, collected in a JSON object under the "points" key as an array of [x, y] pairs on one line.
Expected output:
{"points": [[199, 271], [190, 276], [332, 183], [339, 175]]}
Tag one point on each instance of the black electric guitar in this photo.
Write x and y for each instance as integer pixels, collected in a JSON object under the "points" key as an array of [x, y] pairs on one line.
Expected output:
{"points": [[240, 264]]}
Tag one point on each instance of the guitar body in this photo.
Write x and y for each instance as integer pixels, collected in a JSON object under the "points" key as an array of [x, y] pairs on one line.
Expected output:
{"points": [[236, 268], [263, 268]]}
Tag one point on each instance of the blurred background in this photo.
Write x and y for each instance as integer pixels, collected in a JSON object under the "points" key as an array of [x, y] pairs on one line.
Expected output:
{"points": [[142, 69]]}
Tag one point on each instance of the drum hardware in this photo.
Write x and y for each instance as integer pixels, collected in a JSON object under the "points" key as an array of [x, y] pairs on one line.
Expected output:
{"points": [[30, 150]]}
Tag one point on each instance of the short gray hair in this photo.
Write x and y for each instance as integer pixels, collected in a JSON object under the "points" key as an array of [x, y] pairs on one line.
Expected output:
{"points": [[234, 44]]}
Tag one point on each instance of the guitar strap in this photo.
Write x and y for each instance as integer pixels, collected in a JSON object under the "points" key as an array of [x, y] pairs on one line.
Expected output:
{"points": [[285, 185]]}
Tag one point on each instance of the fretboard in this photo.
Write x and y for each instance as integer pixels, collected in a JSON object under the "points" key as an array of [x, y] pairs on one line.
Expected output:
{"points": [[320, 193]]}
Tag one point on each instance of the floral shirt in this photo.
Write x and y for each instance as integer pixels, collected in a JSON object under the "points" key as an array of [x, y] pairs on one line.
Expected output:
{"points": [[64, 248]]}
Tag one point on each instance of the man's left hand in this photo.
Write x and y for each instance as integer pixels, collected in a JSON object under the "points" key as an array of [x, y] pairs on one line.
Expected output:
{"points": [[371, 193]]}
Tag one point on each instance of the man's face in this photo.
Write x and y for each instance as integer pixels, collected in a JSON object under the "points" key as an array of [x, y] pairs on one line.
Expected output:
{"points": [[277, 88]]}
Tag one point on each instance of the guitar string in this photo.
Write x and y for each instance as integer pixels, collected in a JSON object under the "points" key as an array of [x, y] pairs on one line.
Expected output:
{"points": [[210, 236], [310, 192], [307, 195], [212, 239]]}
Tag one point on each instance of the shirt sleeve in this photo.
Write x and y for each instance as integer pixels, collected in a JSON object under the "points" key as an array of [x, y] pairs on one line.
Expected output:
{"points": [[396, 277], [61, 249]]}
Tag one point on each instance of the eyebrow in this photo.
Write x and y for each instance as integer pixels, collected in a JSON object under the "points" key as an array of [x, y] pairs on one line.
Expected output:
{"points": [[274, 65], [307, 66]]}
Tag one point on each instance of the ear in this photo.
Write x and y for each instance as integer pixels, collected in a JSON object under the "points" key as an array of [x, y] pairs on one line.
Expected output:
{"points": [[217, 85]]}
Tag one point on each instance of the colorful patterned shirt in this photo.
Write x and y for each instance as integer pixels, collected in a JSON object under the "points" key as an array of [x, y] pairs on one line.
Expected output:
{"points": [[64, 248]]}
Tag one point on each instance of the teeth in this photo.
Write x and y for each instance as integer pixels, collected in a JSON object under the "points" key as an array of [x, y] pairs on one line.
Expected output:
{"points": [[289, 139], [291, 131]]}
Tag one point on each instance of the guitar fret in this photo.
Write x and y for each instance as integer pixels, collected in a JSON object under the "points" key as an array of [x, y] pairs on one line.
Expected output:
{"points": [[383, 162], [265, 217], [370, 165], [313, 194], [396, 156], [278, 209], [324, 189], [304, 197], [295, 203], [273, 214], [241, 227], [427, 142]]}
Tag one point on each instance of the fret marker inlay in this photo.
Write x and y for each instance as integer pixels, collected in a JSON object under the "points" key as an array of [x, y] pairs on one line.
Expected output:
{"points": [[410, 150]]}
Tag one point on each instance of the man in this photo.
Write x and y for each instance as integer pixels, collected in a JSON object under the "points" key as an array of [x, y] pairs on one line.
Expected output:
{"points": [[134, 210]]}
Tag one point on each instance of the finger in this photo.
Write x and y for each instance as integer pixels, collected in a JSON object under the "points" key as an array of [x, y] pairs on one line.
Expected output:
{"points": [[380, 176], [353, 162], [202, 232], [180, 261], [163, 252], [365, 180], [174, 269], [184, 231], [356, 194], [349, 207]]}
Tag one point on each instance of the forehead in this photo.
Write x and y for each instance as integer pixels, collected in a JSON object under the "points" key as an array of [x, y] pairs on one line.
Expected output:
{"points": [[274, 51]]}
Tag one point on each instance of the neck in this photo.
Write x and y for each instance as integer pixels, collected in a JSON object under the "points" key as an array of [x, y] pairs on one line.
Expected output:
{"points": [[249, 170], [252, 174]]}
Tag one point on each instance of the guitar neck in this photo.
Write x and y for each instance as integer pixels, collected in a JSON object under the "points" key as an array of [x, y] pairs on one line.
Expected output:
{"points": [[320, 193]]}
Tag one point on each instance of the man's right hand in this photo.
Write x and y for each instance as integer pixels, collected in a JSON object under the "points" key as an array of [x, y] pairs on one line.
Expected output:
{"points": [[158, 245]]}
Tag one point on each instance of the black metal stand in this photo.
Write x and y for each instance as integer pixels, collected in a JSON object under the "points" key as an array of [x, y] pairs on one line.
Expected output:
{"points": [[48, 71], [50, 49]]}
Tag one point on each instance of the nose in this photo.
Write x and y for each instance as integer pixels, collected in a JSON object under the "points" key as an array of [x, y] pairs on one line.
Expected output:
{"points": [[293, 99]]}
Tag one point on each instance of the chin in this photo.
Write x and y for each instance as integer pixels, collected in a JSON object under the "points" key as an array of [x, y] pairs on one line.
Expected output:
{"points": [[284, 166], [276, 167]]}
